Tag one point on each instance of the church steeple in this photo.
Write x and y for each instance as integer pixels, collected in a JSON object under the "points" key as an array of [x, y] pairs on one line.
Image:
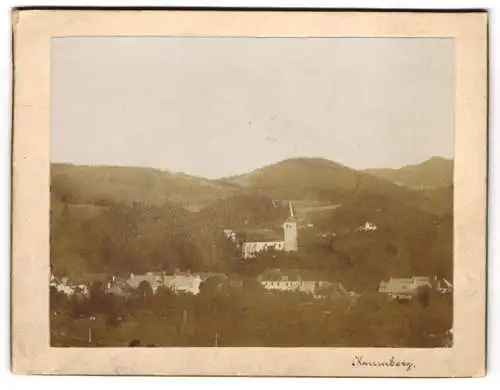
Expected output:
{"points": [[291, 212], [290, 231]]}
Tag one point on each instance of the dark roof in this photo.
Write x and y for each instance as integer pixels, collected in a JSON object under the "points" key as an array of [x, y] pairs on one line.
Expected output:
{"points": [[261, 235], [290, 274], [90, 278], [207, 275]]}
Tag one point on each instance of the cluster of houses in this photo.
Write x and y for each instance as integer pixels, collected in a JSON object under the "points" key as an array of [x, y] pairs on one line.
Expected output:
{"points": [[272, 280], [179, 282], [189, 283], [63, 285]]}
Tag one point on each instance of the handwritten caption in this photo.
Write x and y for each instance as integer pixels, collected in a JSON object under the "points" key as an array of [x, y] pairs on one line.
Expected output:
{"points": [[360, 361]]}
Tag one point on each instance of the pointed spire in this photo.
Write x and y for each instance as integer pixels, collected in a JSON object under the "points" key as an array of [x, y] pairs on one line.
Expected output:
{"points": [[291, 209]]}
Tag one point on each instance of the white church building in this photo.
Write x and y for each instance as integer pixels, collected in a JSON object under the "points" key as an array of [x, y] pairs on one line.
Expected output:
{"points": [[289, 243]]}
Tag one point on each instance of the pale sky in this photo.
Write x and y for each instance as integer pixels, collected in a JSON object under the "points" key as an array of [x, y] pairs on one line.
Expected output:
{"points": [[216, 107]]}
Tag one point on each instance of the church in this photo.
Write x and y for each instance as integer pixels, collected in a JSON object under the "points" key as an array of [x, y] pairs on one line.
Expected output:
{"points": [[289, 243]]}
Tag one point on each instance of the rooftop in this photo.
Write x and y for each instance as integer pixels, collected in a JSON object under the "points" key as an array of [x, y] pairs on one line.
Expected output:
{"points": [[403, 285], [277, 274]]}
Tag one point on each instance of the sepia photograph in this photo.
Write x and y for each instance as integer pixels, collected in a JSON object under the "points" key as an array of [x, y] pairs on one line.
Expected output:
{"points": [[251, 192], [233, 193]]}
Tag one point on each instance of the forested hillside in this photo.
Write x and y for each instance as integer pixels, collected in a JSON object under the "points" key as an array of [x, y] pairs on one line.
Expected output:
{"points": [[118, 219], [432, 173]]}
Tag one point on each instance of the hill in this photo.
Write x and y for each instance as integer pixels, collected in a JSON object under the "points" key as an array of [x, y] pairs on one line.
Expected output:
{"points": [[103, 185], [306, 179], [435, 172], [438, 200], [318, 179]]}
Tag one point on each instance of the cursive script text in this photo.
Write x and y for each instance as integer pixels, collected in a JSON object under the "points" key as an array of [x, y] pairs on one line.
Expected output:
{"points": [[360, 361]]}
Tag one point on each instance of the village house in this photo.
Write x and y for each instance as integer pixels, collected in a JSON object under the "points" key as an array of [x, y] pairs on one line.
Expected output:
{"points": [[443, 286], [250, 249], [406, 288], [83, 284], [152, 278], [300, 281], [183, 283], [61, 285], [179, 282], [69, 288], [304, 286], [207, 275], [368, 227], [403, 288]]}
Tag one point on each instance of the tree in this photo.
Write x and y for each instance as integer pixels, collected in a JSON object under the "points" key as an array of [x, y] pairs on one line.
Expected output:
{"points": [[58, 300], [424, 296], [98, 299], [145, 290], [135, 343]]}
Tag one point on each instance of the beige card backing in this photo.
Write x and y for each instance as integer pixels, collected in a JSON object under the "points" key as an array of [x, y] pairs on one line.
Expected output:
{"points": [[32, 354]]}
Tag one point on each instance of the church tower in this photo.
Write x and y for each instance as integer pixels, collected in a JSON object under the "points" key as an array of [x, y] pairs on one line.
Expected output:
{"points": [[290, 230]]}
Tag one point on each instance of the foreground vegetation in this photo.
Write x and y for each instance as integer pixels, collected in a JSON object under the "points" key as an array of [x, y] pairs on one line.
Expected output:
{"points": [[224, 315]]}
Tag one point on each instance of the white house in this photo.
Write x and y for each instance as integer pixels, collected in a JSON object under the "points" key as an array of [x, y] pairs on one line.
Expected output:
{"points": [[65, 286], [304, 286], [368, 227], [183, 283], [178, 282], [301, 281], [250, 249], [404, 288]]}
